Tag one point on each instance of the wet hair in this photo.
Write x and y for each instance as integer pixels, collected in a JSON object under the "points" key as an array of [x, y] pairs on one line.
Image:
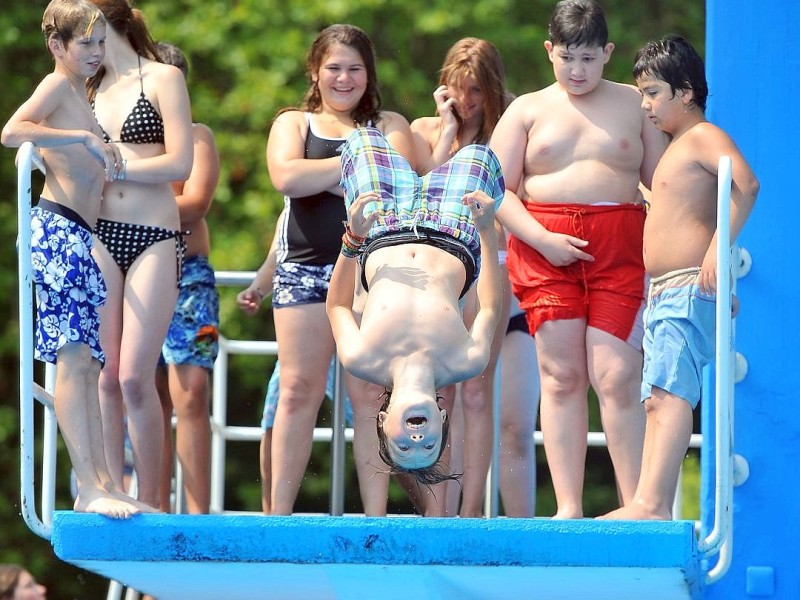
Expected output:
{"points": [[172, 55], [66, 19], [368, 109], [577, 23], [674, 60], [430, 475], [129, 23], [480, 59], [9, 579]]}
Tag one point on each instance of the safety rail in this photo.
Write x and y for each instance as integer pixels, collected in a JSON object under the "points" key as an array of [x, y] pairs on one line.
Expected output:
{"points": [[338, 434], [719, 541], [28, 156]]}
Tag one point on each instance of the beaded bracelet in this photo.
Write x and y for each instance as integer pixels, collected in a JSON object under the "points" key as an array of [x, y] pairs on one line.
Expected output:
{"points": [[350, 247], [353, 236]]}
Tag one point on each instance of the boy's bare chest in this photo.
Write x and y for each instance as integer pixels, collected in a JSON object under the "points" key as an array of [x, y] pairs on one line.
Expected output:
{"points": [[566, 136]]}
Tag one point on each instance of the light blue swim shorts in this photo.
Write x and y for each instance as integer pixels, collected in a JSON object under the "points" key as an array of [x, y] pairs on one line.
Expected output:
{"points": [[679, 338]]}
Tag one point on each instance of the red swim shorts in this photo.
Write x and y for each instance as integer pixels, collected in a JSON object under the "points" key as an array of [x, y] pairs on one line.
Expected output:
{"points": [[608, 293]]}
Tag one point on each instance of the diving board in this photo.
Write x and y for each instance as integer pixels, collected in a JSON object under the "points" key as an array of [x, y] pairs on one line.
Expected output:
{"points": [[247, 557]]}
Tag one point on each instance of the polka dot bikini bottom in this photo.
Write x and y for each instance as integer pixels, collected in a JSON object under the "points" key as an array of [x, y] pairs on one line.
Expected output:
{"points": [[126, 241]]}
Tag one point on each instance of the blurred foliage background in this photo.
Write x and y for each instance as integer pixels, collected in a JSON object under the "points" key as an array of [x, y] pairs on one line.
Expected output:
{"points": [[247, 60]]}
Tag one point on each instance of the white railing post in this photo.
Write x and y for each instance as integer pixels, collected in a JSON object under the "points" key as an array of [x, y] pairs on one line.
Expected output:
{"points": [[337, 443], [27, 156], [219, 419], [723, 488]]}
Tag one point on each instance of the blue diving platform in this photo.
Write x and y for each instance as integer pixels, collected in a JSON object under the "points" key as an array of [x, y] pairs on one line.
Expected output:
{"points": [[751, 57], [242, 557]]}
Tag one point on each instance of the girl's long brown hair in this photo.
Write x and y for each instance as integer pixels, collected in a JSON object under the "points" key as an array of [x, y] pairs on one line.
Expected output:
{"points": [[479, 58], [128, 22]]}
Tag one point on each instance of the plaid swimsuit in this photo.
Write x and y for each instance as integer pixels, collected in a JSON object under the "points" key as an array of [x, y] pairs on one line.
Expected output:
{"points": [[414, 209]]}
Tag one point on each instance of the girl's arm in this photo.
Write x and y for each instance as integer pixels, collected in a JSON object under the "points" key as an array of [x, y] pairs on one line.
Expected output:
{"points": [[290, 172], [175, 164]]}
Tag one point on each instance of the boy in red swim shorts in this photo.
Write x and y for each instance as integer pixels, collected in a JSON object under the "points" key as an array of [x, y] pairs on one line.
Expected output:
{"points": [[573, 155]]}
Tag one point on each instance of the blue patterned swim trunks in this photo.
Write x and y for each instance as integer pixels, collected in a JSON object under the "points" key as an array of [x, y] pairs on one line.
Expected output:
{"points": [[299, 283], [69, 285], [193, 336]]}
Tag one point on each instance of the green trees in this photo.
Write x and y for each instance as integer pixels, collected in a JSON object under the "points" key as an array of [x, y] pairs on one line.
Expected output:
{"points": [[247, 60]]}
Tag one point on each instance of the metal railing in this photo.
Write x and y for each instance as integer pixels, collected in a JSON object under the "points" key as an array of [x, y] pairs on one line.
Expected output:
{"points": [[27, 157], [721, 537]]}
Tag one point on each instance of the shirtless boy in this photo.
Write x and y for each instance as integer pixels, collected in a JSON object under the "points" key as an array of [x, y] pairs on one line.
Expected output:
{"points": [[680, 255], [422, 242], [577, 151], [69, 286]]}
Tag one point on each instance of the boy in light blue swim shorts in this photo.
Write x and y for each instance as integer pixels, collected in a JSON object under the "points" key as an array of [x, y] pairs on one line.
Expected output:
{"points": [[680, 255]]}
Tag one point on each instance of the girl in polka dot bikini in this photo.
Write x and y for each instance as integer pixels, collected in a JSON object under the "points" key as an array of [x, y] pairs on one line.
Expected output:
{"points": [[143, 107]]}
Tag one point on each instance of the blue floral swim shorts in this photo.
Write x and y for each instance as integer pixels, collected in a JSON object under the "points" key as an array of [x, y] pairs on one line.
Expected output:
{"points": [[299, 283], [69, 285]]}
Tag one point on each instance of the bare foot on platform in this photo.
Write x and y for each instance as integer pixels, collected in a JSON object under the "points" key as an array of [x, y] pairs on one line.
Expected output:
{"points": [[103, 503], [141, 506], [634, 512]]}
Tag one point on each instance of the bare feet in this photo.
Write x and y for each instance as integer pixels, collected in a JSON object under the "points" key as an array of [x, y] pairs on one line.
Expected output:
{"points": [[103, 503], [139, 505], [635, 512]]}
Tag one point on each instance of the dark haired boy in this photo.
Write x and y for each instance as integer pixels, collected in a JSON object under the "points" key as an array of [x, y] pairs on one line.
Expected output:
{"points": [[680, 256], [573, 155]]}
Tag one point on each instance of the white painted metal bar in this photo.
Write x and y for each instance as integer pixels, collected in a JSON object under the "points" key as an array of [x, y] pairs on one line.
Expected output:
{"points": [[27, 157], [723, 488], [336, 492]]}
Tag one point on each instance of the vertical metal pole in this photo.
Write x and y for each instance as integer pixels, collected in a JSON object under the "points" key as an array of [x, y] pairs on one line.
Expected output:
{"points": [[27, 492], [337, 444], [492, 502], [219, 419], [724, 373]]}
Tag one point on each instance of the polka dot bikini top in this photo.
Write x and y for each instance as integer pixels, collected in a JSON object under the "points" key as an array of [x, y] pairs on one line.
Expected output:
{"points": [[143, 125]]}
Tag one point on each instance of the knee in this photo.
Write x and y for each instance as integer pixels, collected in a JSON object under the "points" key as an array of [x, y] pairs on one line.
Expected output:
{"points": [[477, 394], [192, 403], [299, 395], [134, 388], [191, 398], [619, 387], [563, 380], [516, 434], [108, 381]]}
